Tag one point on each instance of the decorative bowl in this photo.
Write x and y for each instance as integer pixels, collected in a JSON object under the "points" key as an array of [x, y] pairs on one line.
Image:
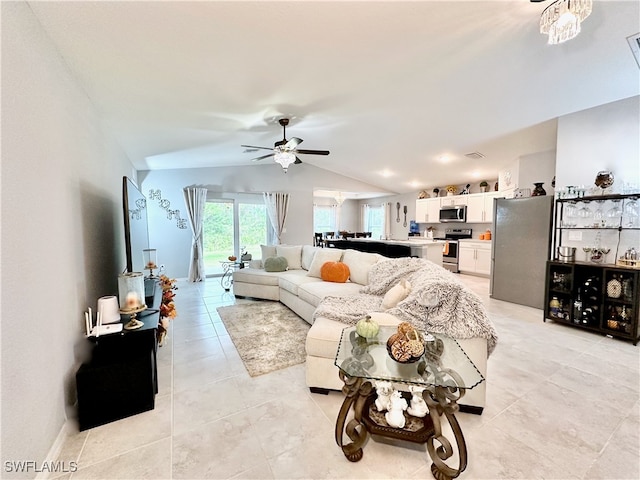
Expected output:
{"points": [[232, 258]]}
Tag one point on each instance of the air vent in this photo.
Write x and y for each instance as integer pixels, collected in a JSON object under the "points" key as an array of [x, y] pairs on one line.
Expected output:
{"points": [[474, 155]]}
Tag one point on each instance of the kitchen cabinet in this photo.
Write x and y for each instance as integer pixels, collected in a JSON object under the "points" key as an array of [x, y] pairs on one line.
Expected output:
{"points": [[474, 257], [453, 200], [428, 210], [480, 207], [596, 297]]}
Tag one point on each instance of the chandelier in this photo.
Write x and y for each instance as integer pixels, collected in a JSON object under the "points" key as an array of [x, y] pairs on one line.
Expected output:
{"points": [[285, 159], [561, 20], [339, 198]]}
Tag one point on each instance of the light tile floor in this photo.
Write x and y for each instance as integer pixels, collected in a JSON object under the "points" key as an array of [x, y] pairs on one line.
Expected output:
{"points": [[561, 404]]}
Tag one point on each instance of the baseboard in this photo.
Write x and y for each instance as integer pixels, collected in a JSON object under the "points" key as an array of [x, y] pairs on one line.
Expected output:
{"points": [[54, 451], [473, 409]]}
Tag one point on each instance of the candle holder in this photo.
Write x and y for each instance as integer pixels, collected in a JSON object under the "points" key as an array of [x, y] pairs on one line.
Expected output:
{"points": [[150, 260], [131, 292]]}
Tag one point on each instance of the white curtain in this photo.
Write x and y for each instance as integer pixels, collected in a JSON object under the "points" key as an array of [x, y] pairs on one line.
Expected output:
{"points": [[195, 199], [387, 219], [277, 207]]}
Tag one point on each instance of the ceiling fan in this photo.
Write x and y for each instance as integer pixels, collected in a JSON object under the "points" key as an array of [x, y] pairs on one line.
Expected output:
{"points": [[285, 152]]}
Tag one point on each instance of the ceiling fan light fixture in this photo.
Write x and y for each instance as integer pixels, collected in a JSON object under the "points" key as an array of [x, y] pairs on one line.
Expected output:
{"points": [[285, 159], [562, 19]]}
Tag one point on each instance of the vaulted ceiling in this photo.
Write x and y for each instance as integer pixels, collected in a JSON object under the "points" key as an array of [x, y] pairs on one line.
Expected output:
{"points": [[389, 87]]}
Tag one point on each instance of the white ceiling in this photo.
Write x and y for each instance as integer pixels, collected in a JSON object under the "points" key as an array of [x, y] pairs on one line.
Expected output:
{"points": [[385, 86]]}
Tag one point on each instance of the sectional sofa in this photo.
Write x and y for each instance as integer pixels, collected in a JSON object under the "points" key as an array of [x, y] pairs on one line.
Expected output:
{"points": [[302, 289]]}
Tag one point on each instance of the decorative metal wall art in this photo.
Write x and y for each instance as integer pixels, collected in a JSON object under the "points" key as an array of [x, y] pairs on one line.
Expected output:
{"points": [[166, 205]]}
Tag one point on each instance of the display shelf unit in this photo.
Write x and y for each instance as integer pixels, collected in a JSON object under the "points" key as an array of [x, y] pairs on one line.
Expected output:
{"points": [[563, 222], [596, 297]]}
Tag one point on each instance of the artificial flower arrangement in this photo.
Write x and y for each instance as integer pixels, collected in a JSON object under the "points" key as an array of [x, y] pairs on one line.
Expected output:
{"points": [[167, 306]]}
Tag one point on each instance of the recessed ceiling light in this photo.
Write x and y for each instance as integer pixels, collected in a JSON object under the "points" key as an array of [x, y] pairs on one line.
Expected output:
{"points": [[443, 158], [386, 173], [414, 184]]}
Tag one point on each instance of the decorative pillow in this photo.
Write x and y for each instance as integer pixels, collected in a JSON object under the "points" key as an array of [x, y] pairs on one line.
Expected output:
{"points": [[337, 272], [308, 252], [268, 251], [359, 264], [322, 256], [293, 254], [275, 264], [396, 294]]}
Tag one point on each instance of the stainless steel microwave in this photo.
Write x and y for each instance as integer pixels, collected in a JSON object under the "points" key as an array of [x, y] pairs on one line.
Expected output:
{"points": [[453, 213]]}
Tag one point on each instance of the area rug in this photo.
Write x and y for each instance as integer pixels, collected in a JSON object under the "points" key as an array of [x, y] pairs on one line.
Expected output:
{"points": [[267, 335]]}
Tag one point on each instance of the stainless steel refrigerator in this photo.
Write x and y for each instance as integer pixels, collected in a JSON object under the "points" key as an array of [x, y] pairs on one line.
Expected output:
{"points": [[520, 249]]}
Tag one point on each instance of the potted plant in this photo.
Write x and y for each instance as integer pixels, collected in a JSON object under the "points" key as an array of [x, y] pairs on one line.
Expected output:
{"points": [[483, 186]]}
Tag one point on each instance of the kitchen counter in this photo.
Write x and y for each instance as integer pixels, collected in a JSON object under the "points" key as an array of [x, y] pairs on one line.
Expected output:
{"points": [[416, 247], [465, 240]]}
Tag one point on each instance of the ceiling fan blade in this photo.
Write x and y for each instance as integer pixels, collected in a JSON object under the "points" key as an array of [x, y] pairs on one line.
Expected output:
{"points": [[259, 148], [313, 152], [257, 159], [297, 161], [293, 143]]}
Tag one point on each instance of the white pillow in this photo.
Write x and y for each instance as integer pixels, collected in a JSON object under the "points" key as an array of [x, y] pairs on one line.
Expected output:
{"points": [[308, 251], [396, 294], [323, 255], [268, 251], [359, 264], [293, 255]]}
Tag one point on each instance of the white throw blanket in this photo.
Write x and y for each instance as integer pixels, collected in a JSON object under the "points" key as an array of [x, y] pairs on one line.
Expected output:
{"points": [[438, 302]]}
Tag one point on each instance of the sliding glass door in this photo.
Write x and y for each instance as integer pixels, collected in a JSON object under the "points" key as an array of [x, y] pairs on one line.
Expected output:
{"points": [[230, 227]]}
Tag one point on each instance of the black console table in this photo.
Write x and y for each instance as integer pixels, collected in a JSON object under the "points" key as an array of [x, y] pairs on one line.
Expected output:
{"points": [[121, 378]]}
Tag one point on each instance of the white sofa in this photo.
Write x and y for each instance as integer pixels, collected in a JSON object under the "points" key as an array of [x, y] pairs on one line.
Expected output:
{"points": [[299, 289]]}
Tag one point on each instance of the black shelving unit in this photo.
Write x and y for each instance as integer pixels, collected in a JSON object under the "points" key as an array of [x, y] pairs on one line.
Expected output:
{"points": [[600, 298]]}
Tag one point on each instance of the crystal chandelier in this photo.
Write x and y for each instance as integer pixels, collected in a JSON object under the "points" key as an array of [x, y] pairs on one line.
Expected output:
{"points": [[285, 159], [339, 198], [561, 20]]}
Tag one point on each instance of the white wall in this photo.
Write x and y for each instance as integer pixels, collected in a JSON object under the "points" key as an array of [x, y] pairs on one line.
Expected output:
{"points": [[174, 245], [62, 239], [602, 138]]}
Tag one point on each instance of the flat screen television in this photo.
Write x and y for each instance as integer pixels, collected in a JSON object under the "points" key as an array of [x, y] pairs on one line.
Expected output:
{"points": [[136, 231]]}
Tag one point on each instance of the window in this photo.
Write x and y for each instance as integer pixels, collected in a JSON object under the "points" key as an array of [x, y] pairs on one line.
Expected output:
{"points": [[374, 220], [324, 218]]}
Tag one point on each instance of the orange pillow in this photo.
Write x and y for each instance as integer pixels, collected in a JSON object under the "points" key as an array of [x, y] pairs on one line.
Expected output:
{"points": [[337, 272]]}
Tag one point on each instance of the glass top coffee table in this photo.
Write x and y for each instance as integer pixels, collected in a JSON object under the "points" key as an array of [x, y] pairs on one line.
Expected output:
{"points": [[406, 401]]}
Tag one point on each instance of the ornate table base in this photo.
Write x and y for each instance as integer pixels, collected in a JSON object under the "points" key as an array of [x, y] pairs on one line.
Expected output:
{"points": [[442, 401]]}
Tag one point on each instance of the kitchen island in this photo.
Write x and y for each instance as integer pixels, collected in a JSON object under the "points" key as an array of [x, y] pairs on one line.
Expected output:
{"points": [[414, 247]]}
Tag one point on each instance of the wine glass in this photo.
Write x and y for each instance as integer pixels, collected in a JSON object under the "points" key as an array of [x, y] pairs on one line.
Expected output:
{"points": [[614, 214], [570, 215], [585, 214], [587, 251], [598, 215], [630, 213]]}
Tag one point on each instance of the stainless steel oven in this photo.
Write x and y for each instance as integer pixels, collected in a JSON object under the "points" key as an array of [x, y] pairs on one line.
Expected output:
{"points": [[450, 250]]}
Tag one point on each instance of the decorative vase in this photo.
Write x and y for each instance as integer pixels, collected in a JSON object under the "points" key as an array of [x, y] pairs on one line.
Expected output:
{"points": [[538, 191], [604, 179]]}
